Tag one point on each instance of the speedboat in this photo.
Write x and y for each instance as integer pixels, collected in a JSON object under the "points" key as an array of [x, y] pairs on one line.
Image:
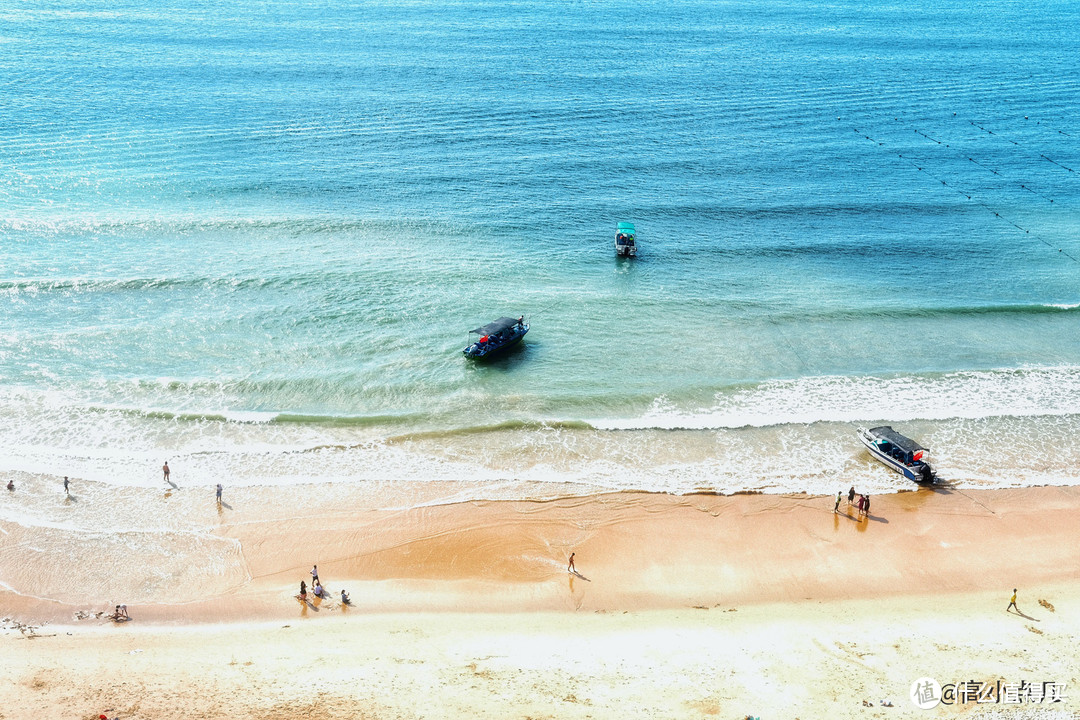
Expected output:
{"points": [[901, 453], [625, 246], [495, 337]]}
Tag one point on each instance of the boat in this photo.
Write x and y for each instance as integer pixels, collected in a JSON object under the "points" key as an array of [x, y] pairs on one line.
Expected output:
{"points": [[901, 453], [495, 337], [625, 246]]}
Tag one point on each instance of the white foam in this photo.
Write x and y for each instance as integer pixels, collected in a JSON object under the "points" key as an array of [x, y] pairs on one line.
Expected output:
{"points": [[1000, 428], [970, 394]]}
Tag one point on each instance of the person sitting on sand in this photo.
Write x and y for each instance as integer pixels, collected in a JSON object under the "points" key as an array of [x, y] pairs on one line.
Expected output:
{"points": [[345, 597], [10, 484], [120, 613], [317, 590]]}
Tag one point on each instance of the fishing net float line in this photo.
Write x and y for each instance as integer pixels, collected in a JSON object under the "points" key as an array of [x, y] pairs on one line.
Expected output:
{"points": [[967, 157], [914, 163]]}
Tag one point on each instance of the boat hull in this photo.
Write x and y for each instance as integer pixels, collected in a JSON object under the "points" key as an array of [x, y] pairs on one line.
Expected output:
{"points": [[481, 351]]}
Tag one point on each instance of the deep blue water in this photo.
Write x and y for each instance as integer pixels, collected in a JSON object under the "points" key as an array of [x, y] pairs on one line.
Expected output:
{"points": [[223, 212]]}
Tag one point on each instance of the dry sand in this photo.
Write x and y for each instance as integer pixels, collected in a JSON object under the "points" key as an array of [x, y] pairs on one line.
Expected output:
{"points": [[696, 606]]}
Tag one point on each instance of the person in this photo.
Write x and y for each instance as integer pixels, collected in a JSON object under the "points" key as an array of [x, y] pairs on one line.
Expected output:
{"points": [[10, 484], [303, 590], [317, 590], [120, 613], [866, 508], [862, 503], [219, 492], [521, 321], [165, 471], [314, 574], [836, 507], [66, 485], [344, 596], [851, 495], [570, 567], [1012, 603]]}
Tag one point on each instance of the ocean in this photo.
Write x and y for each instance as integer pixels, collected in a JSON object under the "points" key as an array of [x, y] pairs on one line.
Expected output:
{"points": [[251, 238]]}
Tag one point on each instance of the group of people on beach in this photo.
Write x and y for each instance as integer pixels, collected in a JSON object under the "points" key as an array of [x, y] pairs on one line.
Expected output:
{"points": [[862, 505], [317, 588]]}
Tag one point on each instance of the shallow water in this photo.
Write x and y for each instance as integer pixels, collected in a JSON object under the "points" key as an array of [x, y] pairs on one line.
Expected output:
{"points": [[252, 239]]}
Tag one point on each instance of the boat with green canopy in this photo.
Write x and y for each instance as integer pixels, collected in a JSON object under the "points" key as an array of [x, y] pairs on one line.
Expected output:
{"points": [[625, 242]]}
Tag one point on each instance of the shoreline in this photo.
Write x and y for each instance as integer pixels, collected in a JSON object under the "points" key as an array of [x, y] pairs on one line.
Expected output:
{"points": [[637, 550]]}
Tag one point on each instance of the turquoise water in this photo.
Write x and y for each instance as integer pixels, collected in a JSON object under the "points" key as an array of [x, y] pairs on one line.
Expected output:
{"points": [[251, 239]]}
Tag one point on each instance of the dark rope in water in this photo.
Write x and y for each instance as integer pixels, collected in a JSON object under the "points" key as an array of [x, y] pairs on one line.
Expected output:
{"points": [[914, 163], [1010, 140], [982, 165]]}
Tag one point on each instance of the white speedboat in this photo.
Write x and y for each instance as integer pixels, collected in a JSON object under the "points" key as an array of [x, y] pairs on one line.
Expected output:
{"points": [[901, 453]]}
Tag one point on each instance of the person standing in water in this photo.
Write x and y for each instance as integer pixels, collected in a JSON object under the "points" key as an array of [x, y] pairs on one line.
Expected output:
{"points": [[219, 493], [165, 471], [836, 507], [66, 491]]}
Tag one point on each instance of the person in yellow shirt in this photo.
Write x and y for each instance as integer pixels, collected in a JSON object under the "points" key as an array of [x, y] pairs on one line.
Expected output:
{"points": [[1012, 603]]}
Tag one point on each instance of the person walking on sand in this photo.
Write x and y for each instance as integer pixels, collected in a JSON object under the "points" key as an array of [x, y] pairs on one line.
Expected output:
{"points": [[851, 495], [866, 507], [314, 574], [66, 491], [570, 568], [836, 507], [1012, 603], [303, 591], [165, 471], [862, 504]]}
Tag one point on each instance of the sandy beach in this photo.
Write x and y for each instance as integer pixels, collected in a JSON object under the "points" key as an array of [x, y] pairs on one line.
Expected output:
{"points": [[691, 606]]}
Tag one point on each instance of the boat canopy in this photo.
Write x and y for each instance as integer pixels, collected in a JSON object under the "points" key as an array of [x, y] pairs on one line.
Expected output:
{"points": [[904, 443], [626, 228], [503, 323]]}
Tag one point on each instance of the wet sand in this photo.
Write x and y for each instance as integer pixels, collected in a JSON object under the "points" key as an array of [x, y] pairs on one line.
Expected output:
{"points": [[685, 606]]}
